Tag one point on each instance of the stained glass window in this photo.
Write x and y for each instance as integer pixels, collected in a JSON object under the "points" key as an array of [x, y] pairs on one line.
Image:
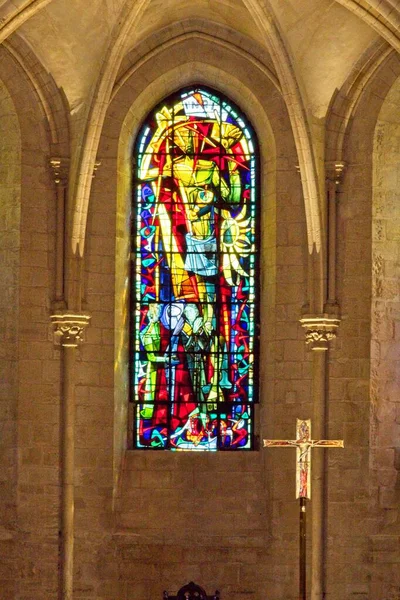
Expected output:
{"points": [[194, 276]]}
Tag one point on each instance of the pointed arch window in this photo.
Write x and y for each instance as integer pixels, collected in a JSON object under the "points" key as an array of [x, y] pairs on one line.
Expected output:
{"points": [[194, 297]]}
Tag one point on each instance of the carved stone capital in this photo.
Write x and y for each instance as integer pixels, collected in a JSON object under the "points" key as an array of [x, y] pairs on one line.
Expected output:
{"points": [[60, 170], [69, 327], [334, 170], [319, 330]]}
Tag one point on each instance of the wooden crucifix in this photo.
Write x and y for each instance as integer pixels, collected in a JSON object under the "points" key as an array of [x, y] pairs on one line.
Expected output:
{"points": [[303, 444]]}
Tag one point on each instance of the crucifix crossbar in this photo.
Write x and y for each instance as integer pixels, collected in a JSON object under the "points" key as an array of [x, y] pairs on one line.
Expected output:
{"points": [[303, 444]]}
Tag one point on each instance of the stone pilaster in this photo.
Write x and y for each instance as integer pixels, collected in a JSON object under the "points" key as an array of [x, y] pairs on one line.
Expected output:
{"points": [[68, 328], [320, 330], [334, 171]]}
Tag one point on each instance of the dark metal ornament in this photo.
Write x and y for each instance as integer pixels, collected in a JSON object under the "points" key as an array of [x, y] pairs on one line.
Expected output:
{"points": [[191, 591]]}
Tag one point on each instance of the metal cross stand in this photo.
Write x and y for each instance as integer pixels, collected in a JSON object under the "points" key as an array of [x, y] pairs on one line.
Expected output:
{"points": [[303, 444]]}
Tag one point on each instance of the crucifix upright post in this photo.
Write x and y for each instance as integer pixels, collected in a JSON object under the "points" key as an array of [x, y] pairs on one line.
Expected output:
{"points": [[303, 444]]}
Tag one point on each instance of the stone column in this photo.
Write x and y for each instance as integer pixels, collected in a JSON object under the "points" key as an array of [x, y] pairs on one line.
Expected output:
{"points": [[334, 172], [60, 168], [319, 330], [69, 328]]}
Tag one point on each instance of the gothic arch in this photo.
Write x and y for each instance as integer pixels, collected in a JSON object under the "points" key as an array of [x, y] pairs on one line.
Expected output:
{"points": [[262, 103], [26, 79], [92, 123], [197, 30], [217, 237], [344, 103]]}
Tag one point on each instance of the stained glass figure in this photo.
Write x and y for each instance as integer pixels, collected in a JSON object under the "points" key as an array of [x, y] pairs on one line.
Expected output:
{"points": [[194, 293]]}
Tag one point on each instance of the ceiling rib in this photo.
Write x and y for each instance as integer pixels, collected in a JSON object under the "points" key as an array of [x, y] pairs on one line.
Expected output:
{"points": [[15, 19]]}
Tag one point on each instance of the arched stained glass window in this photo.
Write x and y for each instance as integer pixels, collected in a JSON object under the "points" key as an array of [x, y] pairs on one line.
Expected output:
{"points": [[194, 276]]}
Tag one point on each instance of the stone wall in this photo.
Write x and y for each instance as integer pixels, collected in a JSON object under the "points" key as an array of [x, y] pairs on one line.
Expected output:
{"points": [[31, 384], [360, 489], [10, 205], [149, 521], [385, 351]]}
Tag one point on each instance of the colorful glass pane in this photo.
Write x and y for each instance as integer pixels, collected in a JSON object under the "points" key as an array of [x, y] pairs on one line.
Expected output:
{"points": [[194, 296]]}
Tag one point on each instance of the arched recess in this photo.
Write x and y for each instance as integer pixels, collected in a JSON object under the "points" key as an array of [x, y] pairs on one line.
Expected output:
{"points": [[50, 100], [345, 101], [353, 398], [148, 85], [28, 140], [177, 78]]}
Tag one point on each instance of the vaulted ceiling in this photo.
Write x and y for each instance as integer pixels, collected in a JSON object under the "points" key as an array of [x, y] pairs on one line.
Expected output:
{"points": [[324, 38]]}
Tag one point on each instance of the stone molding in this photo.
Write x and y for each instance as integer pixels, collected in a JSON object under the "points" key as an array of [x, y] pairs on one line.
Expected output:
{"points": [[320, 330], [69, 327]]}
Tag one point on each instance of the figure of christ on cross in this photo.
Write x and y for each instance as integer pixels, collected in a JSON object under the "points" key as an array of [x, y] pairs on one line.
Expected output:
{"points": [[303, 444]]}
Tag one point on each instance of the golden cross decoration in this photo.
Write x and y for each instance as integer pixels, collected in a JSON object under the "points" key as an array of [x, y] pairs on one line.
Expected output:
{"points": [[303, 444]]}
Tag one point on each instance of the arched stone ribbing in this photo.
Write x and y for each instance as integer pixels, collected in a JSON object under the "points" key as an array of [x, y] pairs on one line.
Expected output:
{"points": [[12, 20], [298, 116], [83, 165], [183, 37], [51, 99], [345, 101], [379, 25]]}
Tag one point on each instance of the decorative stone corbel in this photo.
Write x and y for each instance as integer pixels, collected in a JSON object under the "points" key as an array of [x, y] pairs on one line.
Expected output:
{"points": [[69, 327], [334, 170], [320, 330], [60, 170], [97, 164]]}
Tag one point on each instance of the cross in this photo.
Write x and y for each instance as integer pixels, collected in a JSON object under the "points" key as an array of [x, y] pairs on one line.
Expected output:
{"points": [[303, 444]]}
